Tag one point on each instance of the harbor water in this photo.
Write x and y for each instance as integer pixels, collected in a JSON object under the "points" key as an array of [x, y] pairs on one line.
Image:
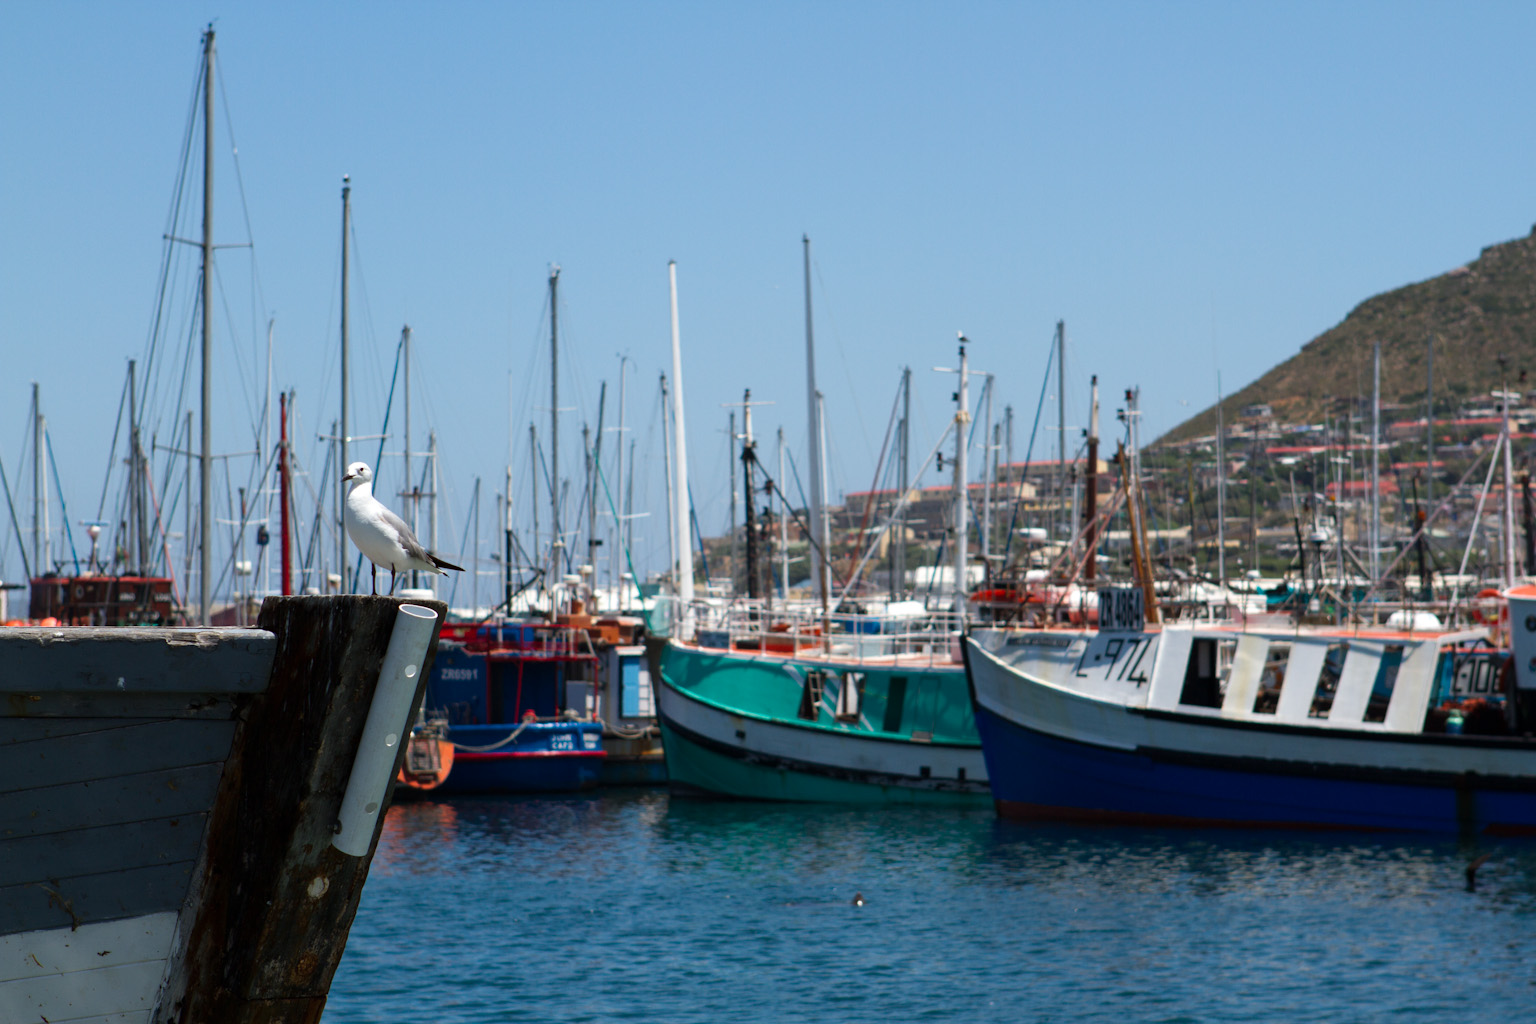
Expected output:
{"points": [[637, 906]]}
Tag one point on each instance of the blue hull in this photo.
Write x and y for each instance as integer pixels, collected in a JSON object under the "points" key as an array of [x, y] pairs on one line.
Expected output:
{"points": [[543, 757], [1042, 777]]}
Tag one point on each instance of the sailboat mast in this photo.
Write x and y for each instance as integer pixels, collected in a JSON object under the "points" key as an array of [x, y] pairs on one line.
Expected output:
{"points": [[1061, 419], [595, 462], [410, 492], [554, 425], [1374, 534], [622, 519], [205, 483], [432, 505], [40, 552], [1091, 490], [783, 525], [988, 454], [1509, 489], [1221, 489], [186, 488], [748, 452], [343, 430], [899, 563], [1429, 430], [684, 547], [819, 538], [533, 464], [962, 525], [283, 482], [137, 503], [666, 472]]}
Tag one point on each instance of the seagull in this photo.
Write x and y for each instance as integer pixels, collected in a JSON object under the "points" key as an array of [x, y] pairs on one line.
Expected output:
{"points": [[383, 536]]}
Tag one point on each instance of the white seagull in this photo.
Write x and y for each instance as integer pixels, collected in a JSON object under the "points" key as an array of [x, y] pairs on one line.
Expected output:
{"points": [[382, 536]]}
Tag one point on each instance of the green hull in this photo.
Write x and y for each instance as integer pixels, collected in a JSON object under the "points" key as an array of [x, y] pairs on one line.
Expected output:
{"points": [[762, 727], [693, 769]]}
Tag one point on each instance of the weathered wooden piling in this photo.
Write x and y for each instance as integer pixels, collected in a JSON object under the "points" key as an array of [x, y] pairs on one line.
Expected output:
{"points": [[273, 900]]}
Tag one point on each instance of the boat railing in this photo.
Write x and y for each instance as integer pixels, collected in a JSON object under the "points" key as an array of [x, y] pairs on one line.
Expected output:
{"points": [[804, 631]]}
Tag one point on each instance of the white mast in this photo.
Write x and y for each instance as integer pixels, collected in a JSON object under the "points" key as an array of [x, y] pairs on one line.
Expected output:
{"points": [[987, 474], [1509, 491], [1374, 533], [666, 463], [684, 580], [408, 492], [962, 527], [783, 523], [615, 556], [819, 538], [1221, 489], [556, 536]]}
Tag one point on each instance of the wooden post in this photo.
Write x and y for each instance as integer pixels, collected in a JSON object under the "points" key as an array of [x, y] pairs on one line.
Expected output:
{"points": [[273, 900]]}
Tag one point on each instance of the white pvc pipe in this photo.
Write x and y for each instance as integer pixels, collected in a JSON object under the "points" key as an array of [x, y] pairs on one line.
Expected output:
{"points": [[389, 716]]}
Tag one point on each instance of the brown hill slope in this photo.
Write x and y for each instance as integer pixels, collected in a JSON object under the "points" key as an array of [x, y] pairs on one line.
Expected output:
{"points": [[1476, 314]]}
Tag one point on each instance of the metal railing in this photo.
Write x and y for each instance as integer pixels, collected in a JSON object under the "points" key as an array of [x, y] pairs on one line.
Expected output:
{"points": [[932, 637]]}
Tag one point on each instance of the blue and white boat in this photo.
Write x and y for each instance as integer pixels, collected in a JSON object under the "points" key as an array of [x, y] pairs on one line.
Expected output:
{"points": [[518, 698], [1287, 727]]}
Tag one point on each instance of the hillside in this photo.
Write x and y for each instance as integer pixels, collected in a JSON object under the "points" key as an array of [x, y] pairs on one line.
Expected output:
{"points": [[1476, 314]]}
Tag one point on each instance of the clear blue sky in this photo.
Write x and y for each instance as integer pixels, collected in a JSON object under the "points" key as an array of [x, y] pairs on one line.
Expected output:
{"points": [[1192, 187]]}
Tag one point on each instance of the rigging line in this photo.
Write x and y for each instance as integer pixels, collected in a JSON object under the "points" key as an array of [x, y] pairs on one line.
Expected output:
{"points": [[58, 486], [794, 471], [770, 487], [389, 405], [693, 518], [117, 427], [236, 349], [829, 314], [895, 512], [320, 522], [176, 426], [879, 467], [236, 529], [1029, 451], [613, 508], [369, 332], [15, 523], [168, 245], [165, 547], [234, 148], [464, 543]]}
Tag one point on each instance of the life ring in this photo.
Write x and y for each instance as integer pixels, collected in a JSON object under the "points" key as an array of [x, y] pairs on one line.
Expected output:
{"points": [[1487, 607]]}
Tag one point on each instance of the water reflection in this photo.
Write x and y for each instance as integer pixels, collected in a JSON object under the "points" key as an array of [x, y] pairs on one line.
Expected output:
{"points": [[632, 905]]}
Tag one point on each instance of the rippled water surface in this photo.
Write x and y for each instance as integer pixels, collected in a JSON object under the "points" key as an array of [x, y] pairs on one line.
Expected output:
{"points": [[631, 905]]}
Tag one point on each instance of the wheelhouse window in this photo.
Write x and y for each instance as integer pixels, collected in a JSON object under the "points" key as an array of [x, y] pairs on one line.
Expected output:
{"points": [[1328, 681], [1386, 680], [850, 697], [1210, 662], [1272, 679]]}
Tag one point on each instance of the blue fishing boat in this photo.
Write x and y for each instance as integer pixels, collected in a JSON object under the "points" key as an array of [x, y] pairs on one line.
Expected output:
{"points": [[518, 699], [1350, 728]]}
